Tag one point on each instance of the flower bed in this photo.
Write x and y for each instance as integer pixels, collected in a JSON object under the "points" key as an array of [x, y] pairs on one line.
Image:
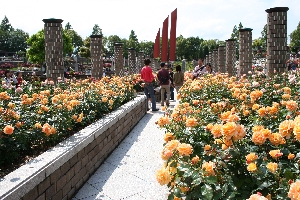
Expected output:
{"points": [[233, 139], [61, 171], [38, 116]]}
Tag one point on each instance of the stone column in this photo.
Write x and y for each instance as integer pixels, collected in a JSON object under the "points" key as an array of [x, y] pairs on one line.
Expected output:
{"points": [[96, 56], [215, 59], [156, 64], [276, 39], [119, 61], [230, 57], [204, 61], [140, 63], [210, 57], [245, 51], [207, 59], [183, 65], [221, 59], [53, 49], [131, 61]]}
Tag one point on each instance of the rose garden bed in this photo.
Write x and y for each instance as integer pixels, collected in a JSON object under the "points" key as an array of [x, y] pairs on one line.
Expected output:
{"points": [[233, 138], [43, 122]]}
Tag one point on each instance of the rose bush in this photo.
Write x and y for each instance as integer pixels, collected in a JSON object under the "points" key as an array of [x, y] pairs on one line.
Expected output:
{"points": [[39, 116], [243, 134]]}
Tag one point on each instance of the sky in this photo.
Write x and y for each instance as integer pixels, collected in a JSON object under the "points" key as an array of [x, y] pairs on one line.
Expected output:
{"points": [[207, 19]]}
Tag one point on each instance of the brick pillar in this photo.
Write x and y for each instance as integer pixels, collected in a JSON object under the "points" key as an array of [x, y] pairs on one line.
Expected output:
{"points": [[204, 61], [131, 61], [156, 64], [221, 59], [207, 59], [183, 65], [230, 57], [96, 56], [276, 39], [245, 51], [210, 57], [215, 59], [140, 63], [53, 48], [119, 61]]}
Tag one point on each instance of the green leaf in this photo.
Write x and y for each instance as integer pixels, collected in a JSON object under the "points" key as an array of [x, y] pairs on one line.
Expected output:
{"points": [[288, 174], [211, 179], [207, 191], [177, 192]]}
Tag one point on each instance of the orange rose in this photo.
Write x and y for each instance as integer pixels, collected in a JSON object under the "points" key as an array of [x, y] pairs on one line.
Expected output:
{"points": [[272, 167], [291, 156], [195, 160], [275, 153], [252, 167], [168, 137], [163, 176], [184, 149], [217, 130], [251, 157], [276, 139], [258, 138], [294, 193], [8, 129], [208, 168], [229, 129], [191, 122]]}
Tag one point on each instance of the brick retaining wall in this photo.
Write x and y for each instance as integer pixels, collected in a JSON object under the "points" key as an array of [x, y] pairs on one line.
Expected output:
{"points": [[60, 172]]}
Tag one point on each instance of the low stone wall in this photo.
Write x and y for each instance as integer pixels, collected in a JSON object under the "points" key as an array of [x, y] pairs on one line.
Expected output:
{"points": [[61, 171]]}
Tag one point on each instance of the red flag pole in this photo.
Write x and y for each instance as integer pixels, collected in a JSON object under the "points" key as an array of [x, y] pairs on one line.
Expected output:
{"points": [[164, 48], [173, 35]]}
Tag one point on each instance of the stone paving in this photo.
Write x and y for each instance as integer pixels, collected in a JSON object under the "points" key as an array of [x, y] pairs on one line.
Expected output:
{"points": [[129, 172]]}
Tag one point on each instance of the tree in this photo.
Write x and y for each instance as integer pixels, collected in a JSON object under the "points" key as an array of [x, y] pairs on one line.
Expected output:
{"points": [[236, 35], [77, 41], [146, 47], [180, 47], [97, 30], [84, 50], [12, 40], [264, 37], [295, 39], [133, 41], [111, 40], [68, 26], [36, 51]]}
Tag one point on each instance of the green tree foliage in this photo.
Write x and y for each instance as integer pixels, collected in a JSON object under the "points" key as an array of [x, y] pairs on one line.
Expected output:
{"points": [[77, 40], [236, 35], [133, 41], [295, 39], [180, 47], [111, 40], [147, 47], [12, 40], [97, 30], [84, 50], [36, 43]]}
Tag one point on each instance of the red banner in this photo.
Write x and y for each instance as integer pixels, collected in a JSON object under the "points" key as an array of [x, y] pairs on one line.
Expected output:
{"points": [[164, 48], [156, 50], [173, 35]]}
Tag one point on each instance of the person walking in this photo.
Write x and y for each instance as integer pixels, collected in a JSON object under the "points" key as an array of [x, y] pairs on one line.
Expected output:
{"points": [[178, 78], [148, 77], [164, 82]]}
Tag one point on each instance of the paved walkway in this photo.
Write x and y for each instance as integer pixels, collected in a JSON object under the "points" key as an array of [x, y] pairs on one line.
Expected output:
{"points": [[129, 172]]}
